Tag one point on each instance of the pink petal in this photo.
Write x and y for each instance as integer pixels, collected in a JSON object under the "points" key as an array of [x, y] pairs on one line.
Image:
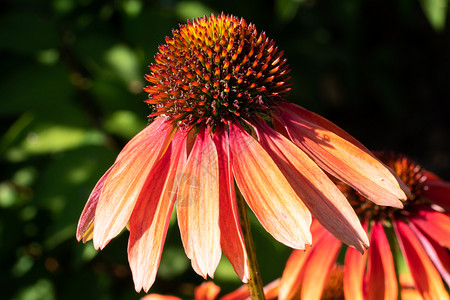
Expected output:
{"points": [[354, 267], [438, 254], [318, 266], [435, 224], [231, 238], [381, 278], [125, 181], [198, 206], [425, 275], [343, 159], [314, 188], [267, 191], [151, 215]]}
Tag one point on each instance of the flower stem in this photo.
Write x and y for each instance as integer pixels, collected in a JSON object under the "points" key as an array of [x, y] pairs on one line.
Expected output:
{"points": [[254, 284]]}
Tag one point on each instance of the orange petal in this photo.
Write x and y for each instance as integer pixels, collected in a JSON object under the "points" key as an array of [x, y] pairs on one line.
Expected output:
{"points": [[86, 223], [344, 160], [354, 267], [425, 275], [314, 188], [198, 206], [292, 277], [435, 224], [231, 238], [319, 265], [207, 291], [125, 181], [151, 215], [242, 293], [267, 191], [381, 278]]}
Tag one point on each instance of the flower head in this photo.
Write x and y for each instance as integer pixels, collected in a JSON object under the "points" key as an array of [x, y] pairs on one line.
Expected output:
{"points": [[418, 234], [220, 118]]}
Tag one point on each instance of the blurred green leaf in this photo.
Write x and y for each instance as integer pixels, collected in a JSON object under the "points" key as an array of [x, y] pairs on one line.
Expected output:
{"points": [[436, 12], [192, 9], [124, 124]]}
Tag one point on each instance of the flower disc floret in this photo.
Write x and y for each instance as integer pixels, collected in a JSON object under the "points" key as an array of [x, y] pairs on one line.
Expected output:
{"points": [[214, 69]]}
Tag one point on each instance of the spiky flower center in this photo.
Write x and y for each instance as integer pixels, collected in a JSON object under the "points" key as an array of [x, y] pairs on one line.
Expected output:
{"points": [[408, 171], [214, 69]]}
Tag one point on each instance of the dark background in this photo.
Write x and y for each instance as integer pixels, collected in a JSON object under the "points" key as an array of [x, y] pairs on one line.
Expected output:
{"points": [[71, 97]]}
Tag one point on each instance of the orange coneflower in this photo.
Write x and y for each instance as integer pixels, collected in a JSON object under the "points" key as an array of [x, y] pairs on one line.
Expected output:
{"points": [[217, 90], [418, 234]]}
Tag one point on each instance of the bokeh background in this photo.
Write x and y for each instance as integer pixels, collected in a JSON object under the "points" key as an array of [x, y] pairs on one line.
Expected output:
{"points": [[71, 97]]}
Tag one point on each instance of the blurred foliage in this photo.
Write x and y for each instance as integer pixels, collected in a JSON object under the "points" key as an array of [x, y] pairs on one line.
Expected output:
{"points": [[71, 86]]}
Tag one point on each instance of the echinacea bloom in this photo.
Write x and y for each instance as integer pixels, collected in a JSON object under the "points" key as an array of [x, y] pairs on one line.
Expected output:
{"points": [[210, 291], [417, 236], [217, 90]]}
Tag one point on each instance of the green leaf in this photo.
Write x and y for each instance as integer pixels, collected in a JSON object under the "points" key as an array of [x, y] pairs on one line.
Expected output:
{"points": [[436, 12]]}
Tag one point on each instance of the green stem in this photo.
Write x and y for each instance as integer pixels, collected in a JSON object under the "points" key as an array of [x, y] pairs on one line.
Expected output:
{"points": [[254, 284]]}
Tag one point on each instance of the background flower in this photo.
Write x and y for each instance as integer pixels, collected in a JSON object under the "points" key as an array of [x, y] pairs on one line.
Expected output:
{"points": [[412, 241]]}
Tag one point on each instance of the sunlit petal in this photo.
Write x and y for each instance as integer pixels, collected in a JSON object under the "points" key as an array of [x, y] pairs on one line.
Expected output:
{"points": [[151, 215], [198, 206], [125, 181], [314, 188], [344, 160], [267, 191], [232, 240]]}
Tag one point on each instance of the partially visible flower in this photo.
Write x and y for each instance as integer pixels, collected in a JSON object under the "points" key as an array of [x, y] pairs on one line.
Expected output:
{"points": [[419, 233], [210, 291], [217, 90]]}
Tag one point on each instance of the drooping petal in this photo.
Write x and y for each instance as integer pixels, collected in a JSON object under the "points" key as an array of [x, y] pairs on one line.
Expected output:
{"points": [[319, 266], [354, 267], [151, 215], [85, 227], [231, 237], [438, 254], [207, 291], [314, 188], [242, 293], [125, 180], [344, 160], [438, 192], [292, 277], [425, 275], [198, 206], [435, 224], [381, 279], [267, 191]]}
